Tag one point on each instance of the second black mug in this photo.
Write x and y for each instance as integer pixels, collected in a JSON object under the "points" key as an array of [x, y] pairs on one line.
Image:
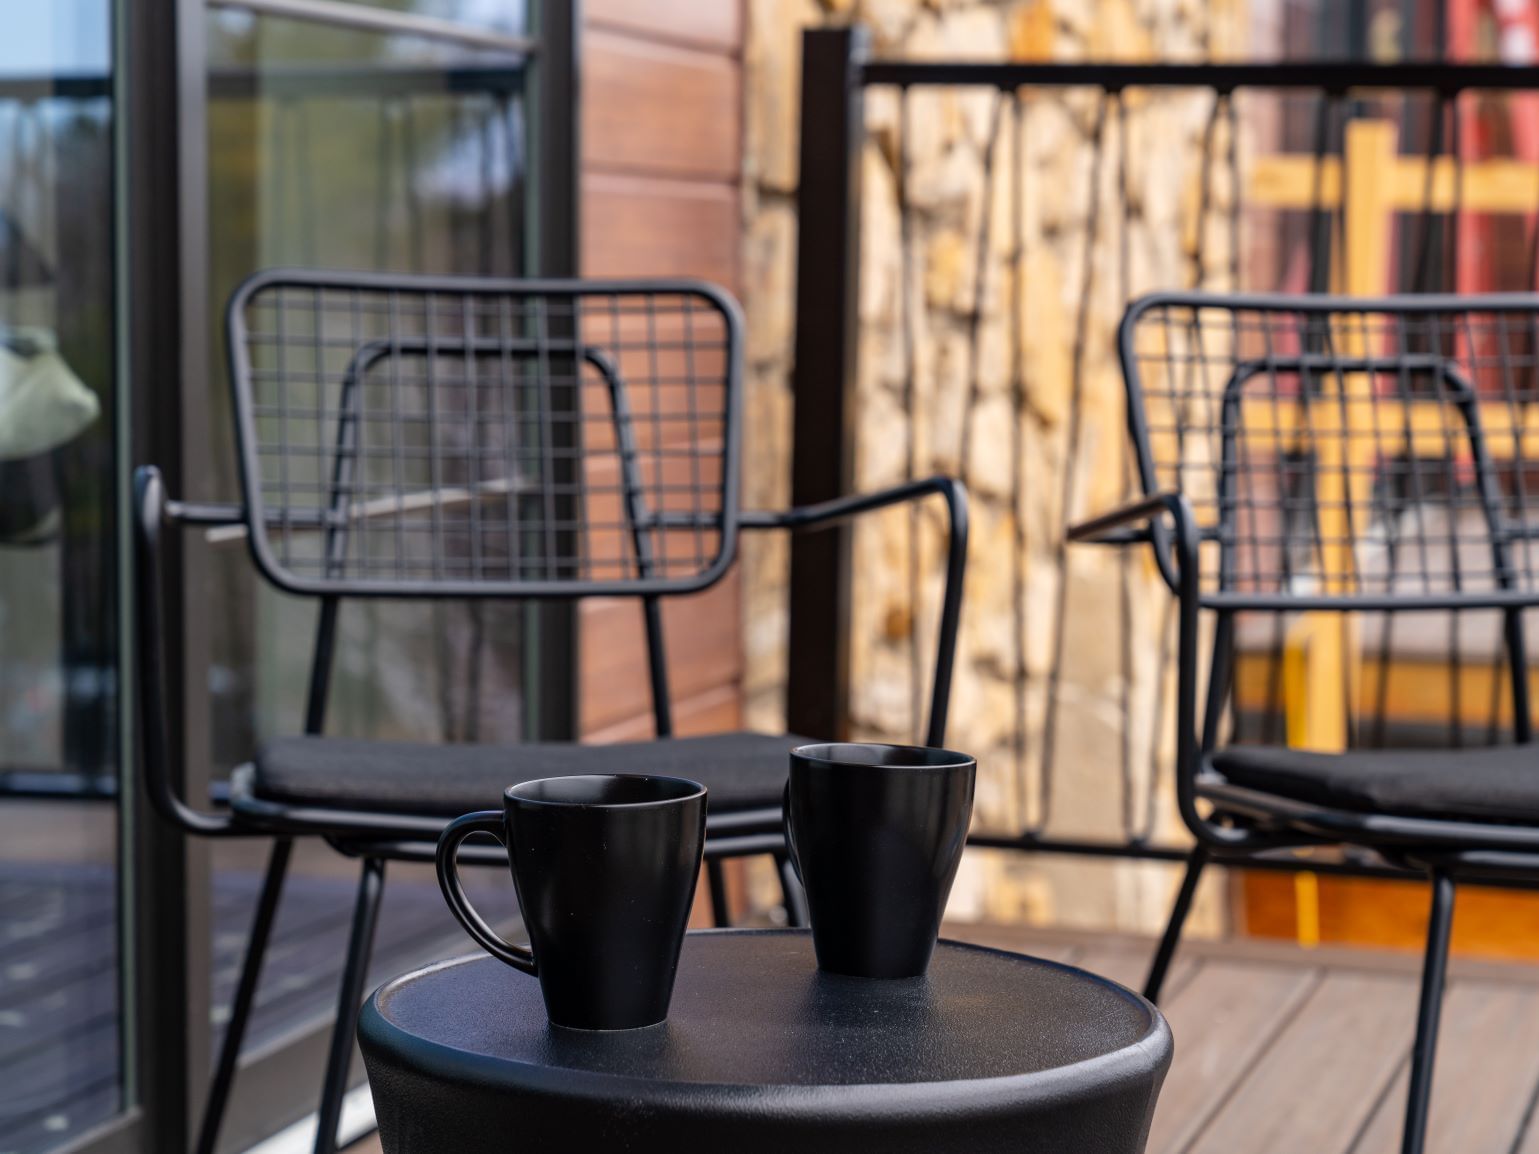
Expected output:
{"points": [[876, 834], [605, 868]]}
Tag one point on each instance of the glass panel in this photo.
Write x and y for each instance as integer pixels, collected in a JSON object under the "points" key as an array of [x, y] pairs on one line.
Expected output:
{"points": [[335, 148], [60, 1063]]}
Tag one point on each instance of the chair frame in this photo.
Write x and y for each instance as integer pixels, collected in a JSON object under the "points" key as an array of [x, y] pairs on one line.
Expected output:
{"points": [[375, 837], [1244, 822]]}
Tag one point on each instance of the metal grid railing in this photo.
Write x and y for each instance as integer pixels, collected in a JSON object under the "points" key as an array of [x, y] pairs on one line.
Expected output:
{"points": [[1378, 514]]}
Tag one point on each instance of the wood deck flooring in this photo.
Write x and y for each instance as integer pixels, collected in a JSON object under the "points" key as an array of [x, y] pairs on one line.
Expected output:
{"points": [[1287, 1051], [1280, 1049], [1277, 1049], [60, 1071]]}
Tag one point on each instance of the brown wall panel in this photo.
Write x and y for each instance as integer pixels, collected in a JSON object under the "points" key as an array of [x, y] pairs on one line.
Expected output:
{"points": [[714, 711], [709, 23], [662, 144], [637, 226], [661, 110], [704, 651]]}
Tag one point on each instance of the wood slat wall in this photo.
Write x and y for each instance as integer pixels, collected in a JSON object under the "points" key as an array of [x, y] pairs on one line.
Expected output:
{"points": [[661, 164]]}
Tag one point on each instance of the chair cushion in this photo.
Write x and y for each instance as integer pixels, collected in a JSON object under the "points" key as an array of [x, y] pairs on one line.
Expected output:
{"points": [[741, 770], [1494, 784]]}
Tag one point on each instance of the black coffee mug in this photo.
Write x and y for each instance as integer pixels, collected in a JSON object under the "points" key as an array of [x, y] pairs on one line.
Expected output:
{"points": [[876, 834], [605, 869]]}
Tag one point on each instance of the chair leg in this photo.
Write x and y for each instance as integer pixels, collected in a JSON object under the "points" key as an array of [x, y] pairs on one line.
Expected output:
{"points": [[1433, 974], [245, 994], [1160, 967], [716, 878], [791, 890], [349, 1001]]}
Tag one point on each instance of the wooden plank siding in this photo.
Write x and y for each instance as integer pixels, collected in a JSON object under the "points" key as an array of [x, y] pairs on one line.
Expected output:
{"points": [[661, 196]]}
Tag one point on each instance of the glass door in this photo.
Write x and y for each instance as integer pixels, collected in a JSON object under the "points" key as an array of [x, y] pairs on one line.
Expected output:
{"points": [[394, 137], [61, 1035], [399, 137]]}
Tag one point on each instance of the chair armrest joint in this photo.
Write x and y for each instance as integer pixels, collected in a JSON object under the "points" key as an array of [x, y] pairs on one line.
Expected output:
{"points": [[826, 514]]}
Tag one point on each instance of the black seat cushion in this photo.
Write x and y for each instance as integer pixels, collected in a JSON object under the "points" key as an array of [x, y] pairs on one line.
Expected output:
{"points": [[741, 770], [1493, 784]]}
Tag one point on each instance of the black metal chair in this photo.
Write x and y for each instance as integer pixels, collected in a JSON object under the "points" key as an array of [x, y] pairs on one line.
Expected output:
{"points": [[1305, 455], [458, 438]]}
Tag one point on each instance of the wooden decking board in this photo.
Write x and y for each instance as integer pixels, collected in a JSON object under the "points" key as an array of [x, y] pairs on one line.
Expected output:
{"points": [[1013, 938], [54, 1123], [1223, 1019], [59, 1019], [1129, 967], [50, 921], [1240, 1011], [55, 1073], [1528, 1129], [22, 982], [58, 1014], [304, 960], [1311, 1088], [1487, 1065], [1277, 1049]]}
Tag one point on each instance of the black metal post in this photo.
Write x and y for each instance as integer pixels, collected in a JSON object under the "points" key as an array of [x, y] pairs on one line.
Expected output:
{"points": [[716, 879], [791, 889], [1160, 967], [657, 667], [1433, 976], [823, 377], [162, 325], [245, 995], [360, 944], [550, 652]]}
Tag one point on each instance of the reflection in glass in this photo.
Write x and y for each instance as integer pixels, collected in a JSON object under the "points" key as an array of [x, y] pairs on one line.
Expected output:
{"points": [[60, 1069], [333, 148]]}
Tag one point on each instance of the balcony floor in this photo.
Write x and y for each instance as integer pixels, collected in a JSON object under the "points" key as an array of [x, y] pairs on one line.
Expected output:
{"points": [[59, 1022], [1280, 1049], [1285, 1050]]}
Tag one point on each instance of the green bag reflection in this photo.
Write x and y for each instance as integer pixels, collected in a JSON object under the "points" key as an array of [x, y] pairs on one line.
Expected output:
{"points": [[43, 405]]}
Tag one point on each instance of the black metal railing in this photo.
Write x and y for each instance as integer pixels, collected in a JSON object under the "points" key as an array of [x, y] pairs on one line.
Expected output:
{"points": [[1431, 100]]}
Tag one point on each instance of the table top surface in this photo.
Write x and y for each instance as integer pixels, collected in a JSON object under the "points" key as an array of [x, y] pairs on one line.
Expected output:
{"points": [[750, 1008]]}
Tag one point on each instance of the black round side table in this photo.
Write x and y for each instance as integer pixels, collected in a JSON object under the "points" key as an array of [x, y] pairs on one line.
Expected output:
{"points": [[990, 1051]]}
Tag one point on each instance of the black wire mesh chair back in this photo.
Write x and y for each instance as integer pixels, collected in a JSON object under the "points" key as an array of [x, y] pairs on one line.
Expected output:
{"points": [[404, 436], [1345, 452]]}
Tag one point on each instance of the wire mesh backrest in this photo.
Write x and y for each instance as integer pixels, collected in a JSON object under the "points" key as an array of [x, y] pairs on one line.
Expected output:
{"points": [[413, 436], [1363, 453]]}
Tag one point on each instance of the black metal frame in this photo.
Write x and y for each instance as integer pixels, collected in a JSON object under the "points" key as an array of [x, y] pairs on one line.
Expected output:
{"points": [[837, 69], [1241, 822], [376, 837]]}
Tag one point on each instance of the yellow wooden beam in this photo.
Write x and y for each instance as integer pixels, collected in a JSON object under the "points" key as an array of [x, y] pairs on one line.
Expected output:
{"points": [[1294, 182], [1418, 691], [1371, 164], [1494, 186], [1426, 429], [1315, 696]]}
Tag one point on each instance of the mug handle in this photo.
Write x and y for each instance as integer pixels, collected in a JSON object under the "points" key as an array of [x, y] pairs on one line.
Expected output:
{"points": [[484, 821], [785, 827]]}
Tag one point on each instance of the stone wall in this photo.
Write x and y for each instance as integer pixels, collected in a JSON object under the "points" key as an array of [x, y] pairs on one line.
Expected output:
{"points": [[1005, 375]]}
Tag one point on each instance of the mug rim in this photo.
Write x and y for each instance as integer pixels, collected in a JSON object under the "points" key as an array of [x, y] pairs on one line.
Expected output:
{"points": [[936, 757], [693, 790]]}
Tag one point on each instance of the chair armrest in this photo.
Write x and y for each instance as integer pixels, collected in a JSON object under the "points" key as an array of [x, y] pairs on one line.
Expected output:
{"points": [[1166, 521], [1175, 544], [1130, 524], [152, 512], [826, 514]]}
